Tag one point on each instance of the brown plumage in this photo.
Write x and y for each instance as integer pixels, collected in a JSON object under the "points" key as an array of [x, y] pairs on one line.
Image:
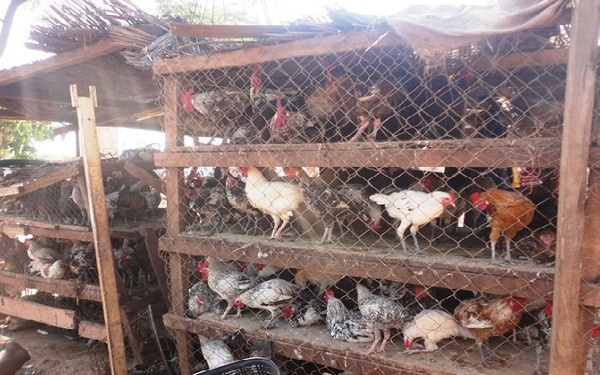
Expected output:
{"points": [[509, 212], [540, 246], [486, 319], [131, 204]]}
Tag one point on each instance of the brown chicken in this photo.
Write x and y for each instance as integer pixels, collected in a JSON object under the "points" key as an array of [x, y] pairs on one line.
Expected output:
{"points": [[13, 254], [486, 319], [509, 213], [540, 246]]}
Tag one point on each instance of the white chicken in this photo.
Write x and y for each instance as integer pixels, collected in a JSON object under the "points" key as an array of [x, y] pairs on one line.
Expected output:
{"points": [[215, 352], [270, 295], [414, 209], [277, 199], [36, 251], [432, 326], [49, 270], [381, 313], [226, 281]]}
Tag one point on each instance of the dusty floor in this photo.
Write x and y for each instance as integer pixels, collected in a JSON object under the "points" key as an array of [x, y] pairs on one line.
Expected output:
{"points": [[58, 352]]}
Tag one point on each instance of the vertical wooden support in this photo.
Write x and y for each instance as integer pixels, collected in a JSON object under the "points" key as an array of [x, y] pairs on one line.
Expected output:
{"points": [[178, 278], [99, 220], [158, 265], [567, 347]]}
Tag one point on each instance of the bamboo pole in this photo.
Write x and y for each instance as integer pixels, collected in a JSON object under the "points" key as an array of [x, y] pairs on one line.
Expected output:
{"points": [[99, 221], [567, 346]]}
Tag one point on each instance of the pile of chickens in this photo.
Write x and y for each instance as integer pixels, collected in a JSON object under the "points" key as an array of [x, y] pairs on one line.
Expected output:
{"points": [[368, 311]]}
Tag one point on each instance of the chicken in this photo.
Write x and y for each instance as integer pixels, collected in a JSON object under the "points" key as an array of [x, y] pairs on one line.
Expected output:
{"points": [[80, 202], [277, 199], [49, 270], [323, 280], [131, 204], [509, 213], [236, 196], [345, 325], [414, 209], [489, 318], [208, 199], [222, 107], [270, 295], [227, 282], [82, 260], [201, 299], [382, 314], [540, 246], [301, 314], [215, 352], [371, 109], [126, 262], [432, 326], [358, 196], [294, 127], [13, 255], [37, 251], [325, 100], [537, 326], [151, 195]]}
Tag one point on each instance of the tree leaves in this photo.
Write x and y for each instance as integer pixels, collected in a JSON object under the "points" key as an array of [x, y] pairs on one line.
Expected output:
{"points": [[17, 137]]}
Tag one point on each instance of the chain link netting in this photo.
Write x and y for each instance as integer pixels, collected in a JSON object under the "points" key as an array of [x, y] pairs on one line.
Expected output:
{"points": [[303, 240]]}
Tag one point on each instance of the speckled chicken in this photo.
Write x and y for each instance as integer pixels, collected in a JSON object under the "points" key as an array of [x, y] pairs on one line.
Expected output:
{"points": [[345, 325], [382, 314], [270, 295], [201, 299], [432, 326], [225, 280], [294, 127], [302, 314], [489, 318], [83, 260], [215, 352], [238, 200]]}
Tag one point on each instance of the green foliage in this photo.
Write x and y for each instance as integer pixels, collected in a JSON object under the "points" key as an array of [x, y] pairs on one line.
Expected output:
{"points": [[16, 137], [228, 12]]}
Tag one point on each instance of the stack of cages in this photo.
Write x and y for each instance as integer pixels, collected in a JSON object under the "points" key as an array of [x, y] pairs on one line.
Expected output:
{"points": [[363, 200]]}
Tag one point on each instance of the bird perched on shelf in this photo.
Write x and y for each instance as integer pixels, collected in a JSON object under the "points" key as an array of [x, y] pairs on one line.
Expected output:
{"points": [[48, 269], [82, 260], [225, 280], [489, 318], [414, 209], [215, 352], [270, 295], [302, 314], [201, 299], [275, 198], [345, 325], [36, 251], [509, 212], [540, 246], [432, 326], [382, 314], [238, 200], [295, 127]]}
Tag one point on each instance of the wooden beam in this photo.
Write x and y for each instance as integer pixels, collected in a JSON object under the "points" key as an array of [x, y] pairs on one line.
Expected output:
{"points": [[159, 266], [21, 220], [231, 31], [321, 45], [568, 351], [91, 330], [547, 57], [52, 178], [143, 175], [28, 310], [65, 288], [99, 220], [464, 153], [101, 48]]}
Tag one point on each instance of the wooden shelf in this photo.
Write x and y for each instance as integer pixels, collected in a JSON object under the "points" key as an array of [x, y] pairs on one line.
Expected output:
{"points": [[488, 153], [314, 344], [37, 312], [92, 330], [65, 288]]}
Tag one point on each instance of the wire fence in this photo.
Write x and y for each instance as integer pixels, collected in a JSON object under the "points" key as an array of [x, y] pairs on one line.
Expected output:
{"points": [[366, 201]]}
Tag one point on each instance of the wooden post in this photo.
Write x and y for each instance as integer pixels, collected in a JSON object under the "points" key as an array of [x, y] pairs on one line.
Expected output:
{"points": [[179, 274], [158, 264], [99, 221], [567, 345]]}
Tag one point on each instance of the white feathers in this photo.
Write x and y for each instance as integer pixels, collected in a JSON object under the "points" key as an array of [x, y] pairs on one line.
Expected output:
{"points": [[215, 352], [433, 326]]}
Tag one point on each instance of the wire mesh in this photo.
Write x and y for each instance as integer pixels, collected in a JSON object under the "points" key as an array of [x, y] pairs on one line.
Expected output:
{"points": [[367, 201]]}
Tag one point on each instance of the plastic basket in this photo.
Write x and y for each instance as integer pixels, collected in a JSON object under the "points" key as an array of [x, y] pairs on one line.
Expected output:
{"points": [[249, 366]]}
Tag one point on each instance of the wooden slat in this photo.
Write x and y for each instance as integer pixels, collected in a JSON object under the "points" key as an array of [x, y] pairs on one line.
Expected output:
{"points": [[143, 175], [10, 190], [519, 60], [458, 153], [229, 31], [316, 46], [91, 330], [449, 272], [159, 266], [568, 351], [65, 288], [99, 221], [20, 220], [52, 178], [76, 56], [39, 313]]}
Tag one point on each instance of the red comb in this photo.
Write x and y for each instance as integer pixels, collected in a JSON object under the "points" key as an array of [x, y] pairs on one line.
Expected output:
{"points": [[256, 80], [595, 331], [474, 197], [186, 99], [287, 311], [548, 308]]}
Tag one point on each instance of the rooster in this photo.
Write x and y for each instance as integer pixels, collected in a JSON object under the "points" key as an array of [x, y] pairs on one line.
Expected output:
{"points": [[83, 261], [286, 126], [215, 352], [201, 299], [381, 313], [269, 295], [432, 326], [487, 319], [509, 213], [226, 281], [414, 209], [277, 199], [236, 196], [345, 325], [50, 270]]}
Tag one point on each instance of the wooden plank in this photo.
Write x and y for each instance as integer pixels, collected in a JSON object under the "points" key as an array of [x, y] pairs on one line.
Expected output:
{"points": [[143, 175], [557, 56], [321, 45], [567, 353], [448, 272], [103, 47], [230, 31], [52, 178], [99, 220], [91, 330], [65, 288], [13, 230], [10, 190], [60, 233], [28, 310], [460, 153], [20, 220], [159, 266]]}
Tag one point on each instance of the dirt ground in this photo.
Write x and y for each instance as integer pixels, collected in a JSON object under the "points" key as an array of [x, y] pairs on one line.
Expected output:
{"points": [[57, 352]]}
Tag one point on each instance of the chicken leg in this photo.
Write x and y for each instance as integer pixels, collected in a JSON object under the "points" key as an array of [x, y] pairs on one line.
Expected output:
{"points": [[276, 222], [413, 232], [364, 124], [387, 333], [377, 334], [281, 228], [488, 357], [376, 126]]}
